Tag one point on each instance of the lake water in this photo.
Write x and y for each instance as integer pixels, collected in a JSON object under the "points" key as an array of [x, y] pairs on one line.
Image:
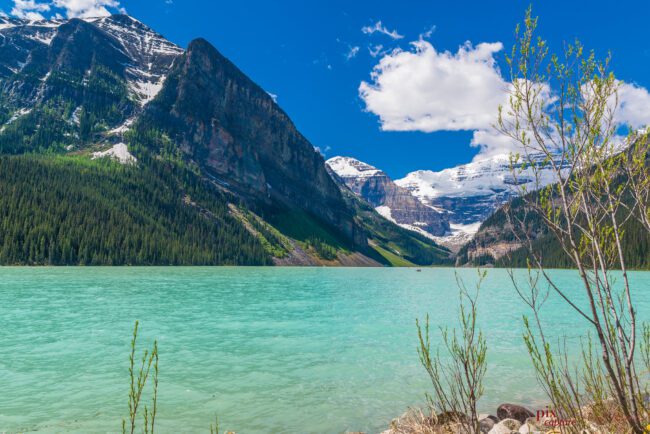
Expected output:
{"points": [[291, 350]]}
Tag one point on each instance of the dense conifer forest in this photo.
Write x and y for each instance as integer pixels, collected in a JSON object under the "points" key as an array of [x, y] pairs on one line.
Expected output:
{"points": [[58, 210]]}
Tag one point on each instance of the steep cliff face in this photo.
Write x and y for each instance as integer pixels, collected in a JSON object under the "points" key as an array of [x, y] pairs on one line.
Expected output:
{"points": [[234, 131], [391, 201]]}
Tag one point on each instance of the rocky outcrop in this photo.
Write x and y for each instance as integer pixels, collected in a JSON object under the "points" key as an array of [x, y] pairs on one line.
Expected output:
{"points": [[391, 201]]}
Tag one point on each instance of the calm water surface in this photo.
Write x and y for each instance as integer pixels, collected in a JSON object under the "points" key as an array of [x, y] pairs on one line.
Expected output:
{"points": [[291, 350]]}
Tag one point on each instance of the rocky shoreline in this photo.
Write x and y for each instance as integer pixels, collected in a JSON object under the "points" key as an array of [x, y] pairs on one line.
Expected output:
{"points": [[509, 419]]}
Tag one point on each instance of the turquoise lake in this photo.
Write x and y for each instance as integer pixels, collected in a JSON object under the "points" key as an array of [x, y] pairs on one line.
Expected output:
{"points": [[270, 350]]}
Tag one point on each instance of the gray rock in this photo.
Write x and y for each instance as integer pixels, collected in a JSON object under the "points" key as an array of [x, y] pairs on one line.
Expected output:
{"points": [[500, 429], [488, 416], [506, 426], [378, 189], [514, 411], [533, 426], [486, 424]]}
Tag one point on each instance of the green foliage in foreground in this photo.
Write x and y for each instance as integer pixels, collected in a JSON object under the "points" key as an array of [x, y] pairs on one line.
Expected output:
{"points": [[72, 211]]}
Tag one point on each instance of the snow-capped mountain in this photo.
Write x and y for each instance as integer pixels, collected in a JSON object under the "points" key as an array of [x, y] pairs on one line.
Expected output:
{"points": [[390, 200], [152, 55], [465, 195], [81, 60], [473, 191]]}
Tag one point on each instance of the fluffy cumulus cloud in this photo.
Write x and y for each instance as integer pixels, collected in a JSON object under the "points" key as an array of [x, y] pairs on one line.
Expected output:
{"points": [[87, 8], [32, 9], [29, 9], [427, 90], [633, 105]]}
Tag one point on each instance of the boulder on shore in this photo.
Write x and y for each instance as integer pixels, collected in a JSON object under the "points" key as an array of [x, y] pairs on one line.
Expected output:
{"points": [[486, 423], [506, 426], [514, 411]]}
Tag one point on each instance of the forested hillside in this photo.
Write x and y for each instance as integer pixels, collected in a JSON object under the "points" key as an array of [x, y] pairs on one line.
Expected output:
{"points": [[73, 211], [496, 242]]}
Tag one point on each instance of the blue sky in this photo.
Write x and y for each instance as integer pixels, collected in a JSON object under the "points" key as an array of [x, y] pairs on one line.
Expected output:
{"points": [[304, 52]]}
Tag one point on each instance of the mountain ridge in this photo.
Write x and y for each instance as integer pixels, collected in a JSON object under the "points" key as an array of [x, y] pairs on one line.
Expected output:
{"points": [[113, 89], [466, 194]]}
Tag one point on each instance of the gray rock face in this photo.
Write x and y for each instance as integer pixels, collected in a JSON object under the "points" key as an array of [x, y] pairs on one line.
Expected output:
{"points": [[228, 125], [393, 202]]}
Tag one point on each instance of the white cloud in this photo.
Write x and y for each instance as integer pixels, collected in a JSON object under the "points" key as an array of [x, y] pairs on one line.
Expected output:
{"points": [[633, 106], [428, 33], [352, 53], [86, 8], [323, 152], [426, 90], [376, 50], [378, 27], [31, 9]]}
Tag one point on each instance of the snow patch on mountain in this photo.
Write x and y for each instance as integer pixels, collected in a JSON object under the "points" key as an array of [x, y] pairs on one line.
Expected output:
{"points": [[152, 55], [119, 152], [146, 90], [347, 167], [19, 113], [123, 128], [391, 201], [467, 193], [385, 212], [137, 38]]}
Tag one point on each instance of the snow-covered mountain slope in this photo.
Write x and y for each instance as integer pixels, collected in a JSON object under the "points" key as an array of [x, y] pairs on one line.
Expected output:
{"points": [[391, 201], [473, 191], [151, 53], [85, 81], [466, 195], [144, 56]]}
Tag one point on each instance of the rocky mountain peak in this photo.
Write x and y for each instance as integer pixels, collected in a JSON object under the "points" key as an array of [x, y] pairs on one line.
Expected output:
{"points": [[235, 131], [391, 201]]}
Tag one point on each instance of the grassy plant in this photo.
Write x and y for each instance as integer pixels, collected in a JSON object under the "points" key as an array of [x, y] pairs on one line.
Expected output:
{"points": [[138, 381], [214, 429], [457, 383]]}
